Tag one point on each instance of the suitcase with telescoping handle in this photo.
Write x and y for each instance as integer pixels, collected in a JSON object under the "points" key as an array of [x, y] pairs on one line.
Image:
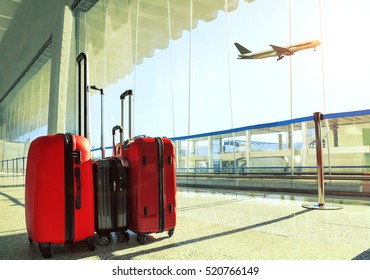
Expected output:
{"points": [[110, 189], [59, 193], [152, 181]]}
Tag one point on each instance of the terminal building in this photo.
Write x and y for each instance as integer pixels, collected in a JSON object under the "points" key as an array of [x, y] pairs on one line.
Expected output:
{"points": [[239, 125]]}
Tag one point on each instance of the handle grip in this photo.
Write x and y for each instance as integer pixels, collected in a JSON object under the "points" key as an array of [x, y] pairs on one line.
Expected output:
{"points": [[126, 93], [114, 129]]}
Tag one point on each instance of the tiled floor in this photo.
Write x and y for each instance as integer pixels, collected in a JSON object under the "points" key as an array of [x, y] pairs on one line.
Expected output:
{"points": [[226, 225]]}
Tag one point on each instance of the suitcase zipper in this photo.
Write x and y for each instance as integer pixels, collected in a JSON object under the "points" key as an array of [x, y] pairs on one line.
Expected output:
{"points": [[78, 194], [69, 188], [161, 185]]}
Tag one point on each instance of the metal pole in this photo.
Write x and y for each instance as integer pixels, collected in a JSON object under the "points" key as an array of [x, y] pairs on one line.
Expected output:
{"points": [[122, 97], [123, 115], [102, 147], [318, 117], [130, 117]]}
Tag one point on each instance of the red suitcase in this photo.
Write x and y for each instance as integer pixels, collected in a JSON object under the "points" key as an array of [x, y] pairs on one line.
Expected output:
{"points": [[59, 195], [59, 191], [152, 184]]}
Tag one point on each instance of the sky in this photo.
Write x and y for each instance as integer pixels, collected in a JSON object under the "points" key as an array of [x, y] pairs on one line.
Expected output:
{"points": [[201, 71]]}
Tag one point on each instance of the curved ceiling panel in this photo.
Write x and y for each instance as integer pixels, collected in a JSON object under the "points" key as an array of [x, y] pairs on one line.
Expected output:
{"points": [[121, 35]]}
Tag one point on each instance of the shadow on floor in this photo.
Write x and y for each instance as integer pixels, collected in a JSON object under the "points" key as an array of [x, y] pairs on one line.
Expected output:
{"points": [[363, 256], [17, 246]]}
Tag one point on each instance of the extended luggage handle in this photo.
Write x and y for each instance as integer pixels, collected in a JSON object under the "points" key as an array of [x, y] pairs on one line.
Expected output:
{"points": [[82, 58], [114, 129], [122, 97], [102, 147]]}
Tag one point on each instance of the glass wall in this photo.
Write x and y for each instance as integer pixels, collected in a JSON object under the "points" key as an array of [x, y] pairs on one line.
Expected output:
{"points": [[180, 60], [24, 114], [280, 155]]}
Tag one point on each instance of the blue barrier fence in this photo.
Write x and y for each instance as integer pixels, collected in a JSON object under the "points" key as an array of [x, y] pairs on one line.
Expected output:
{"points": [[220, 151]]}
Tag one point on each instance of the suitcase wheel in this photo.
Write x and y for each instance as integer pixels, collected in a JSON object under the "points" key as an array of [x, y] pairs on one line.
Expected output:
{"points": [[90, 243], [104, 240], [45, 249], [127, 236], [124, 236], [141, 238], [171, 232], [30, 240]]}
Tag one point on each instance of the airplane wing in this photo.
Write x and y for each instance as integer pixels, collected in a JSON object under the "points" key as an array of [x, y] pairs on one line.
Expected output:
{"points": [[280, 50]]}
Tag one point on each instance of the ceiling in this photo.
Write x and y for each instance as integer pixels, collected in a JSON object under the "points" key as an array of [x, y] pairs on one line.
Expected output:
{"points": [[121, 34], [8, 8], [109, 28]]}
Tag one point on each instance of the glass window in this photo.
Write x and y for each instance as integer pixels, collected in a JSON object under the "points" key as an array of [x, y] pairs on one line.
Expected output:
{"points": [[24, 112], [180, 60]]}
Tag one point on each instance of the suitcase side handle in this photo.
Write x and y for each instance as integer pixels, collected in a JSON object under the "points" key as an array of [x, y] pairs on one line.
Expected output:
{"points": [[114, 129]]}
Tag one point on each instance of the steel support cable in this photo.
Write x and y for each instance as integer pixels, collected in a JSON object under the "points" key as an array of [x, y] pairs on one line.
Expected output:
{"points": [[228, 63], [291, 128], [229, 76], [109, 117], [133, 67], [171, 74], [322, 59], [189, 84], [190, 64], [323, 87], [135, 61]]}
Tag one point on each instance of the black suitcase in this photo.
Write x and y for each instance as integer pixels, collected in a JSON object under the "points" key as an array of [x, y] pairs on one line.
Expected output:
{"points": [[110, 187], [110, 190]]}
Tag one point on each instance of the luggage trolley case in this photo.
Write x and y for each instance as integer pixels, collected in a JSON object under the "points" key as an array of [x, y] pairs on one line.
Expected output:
{"points": [[59, 193], [152, 184], [152, 188], [111, 185]]}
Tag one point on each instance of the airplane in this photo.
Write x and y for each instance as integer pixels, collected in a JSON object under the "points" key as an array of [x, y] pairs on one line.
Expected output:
{"points": [[280, 52]]}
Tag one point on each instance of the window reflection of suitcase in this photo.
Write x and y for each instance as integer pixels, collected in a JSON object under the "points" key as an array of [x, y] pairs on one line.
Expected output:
{"points": [[59, 191]]}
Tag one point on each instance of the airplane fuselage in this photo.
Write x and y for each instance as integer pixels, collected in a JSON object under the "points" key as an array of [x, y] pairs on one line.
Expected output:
{"points": [[280, 52], [258, 55]]}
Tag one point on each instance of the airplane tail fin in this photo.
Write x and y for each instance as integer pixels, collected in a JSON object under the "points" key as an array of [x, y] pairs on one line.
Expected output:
{"points": [[241, 49]]}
